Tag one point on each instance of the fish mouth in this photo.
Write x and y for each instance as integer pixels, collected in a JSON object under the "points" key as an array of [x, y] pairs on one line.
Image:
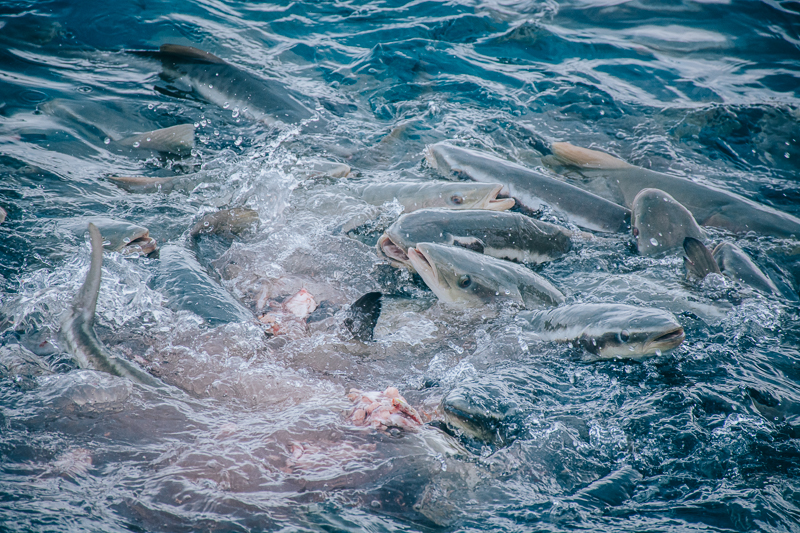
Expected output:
{"points": [[423, 266], [143, 245], [391, 251], [498, 204], [667, 341]]}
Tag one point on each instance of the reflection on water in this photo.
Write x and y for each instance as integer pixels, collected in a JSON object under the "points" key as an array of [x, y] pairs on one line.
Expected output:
{"points": [[253, 432]]}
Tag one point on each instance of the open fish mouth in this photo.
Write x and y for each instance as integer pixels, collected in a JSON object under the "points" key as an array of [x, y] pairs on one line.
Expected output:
{"points": [[143, 245], [667, 341], [391, 251], [499, 204], [423, 266]]}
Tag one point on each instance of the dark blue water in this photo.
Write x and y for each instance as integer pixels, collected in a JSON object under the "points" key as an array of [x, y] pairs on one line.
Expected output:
{"points": [[704, 438]]}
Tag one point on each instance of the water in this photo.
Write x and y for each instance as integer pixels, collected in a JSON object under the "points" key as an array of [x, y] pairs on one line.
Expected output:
{"points": [[701, 438]]}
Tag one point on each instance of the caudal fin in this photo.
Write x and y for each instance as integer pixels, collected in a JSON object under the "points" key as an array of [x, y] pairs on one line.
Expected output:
{"points": [[698, 261], [174, 140], [363, 315], [570, 154]]}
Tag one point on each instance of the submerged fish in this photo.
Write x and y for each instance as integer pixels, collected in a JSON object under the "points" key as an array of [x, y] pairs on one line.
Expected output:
{"points": [[461, 276], [219, 82], [3, 214], [413, 196], [144, 184], [227, 222], [510, 236], [77, 328], [607, 330], [727, 259], [660, 224], [118, 235], [708, 205], [531, 189], [115, 123]]}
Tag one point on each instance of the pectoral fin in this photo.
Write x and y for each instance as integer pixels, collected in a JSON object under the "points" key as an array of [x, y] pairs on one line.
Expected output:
{"points": [[698, 261], [363, 315]]}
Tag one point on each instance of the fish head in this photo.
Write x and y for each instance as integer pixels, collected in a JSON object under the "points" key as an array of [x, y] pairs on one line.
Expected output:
{"points": [[660, 224], [632, 332], [463, 277], [477, 196]]}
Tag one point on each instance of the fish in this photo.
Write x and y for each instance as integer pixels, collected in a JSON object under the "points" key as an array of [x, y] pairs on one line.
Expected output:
{"points": [[3, 214], [463, 277], [77, 327], [422, 195], [531, 189], [509, 236], [729, 260], [710, 206], [660, 224], [145, 184], [228, 86], [118, 235], [607, 330], [227, 222], [119, 125]]}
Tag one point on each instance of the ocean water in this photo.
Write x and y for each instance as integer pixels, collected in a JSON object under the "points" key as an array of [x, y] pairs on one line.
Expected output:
{"points": [[703, 438]]}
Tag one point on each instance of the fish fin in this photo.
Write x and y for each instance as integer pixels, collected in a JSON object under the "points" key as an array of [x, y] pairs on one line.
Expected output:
{"points": [[698, 261], [470, 243], [585, 158], [188, 53], [175, 139], [363, 315]]}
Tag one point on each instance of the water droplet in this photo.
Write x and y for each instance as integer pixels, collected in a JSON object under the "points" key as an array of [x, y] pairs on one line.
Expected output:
{"points": [[653, 241], [658, 352], [216, 132], [148, 139], [106, 141], [206, 224], [620, 135], [210, 86], [238, 141], [786, 155], [375, 503], [136, 144], [226, 105], [235, 112]]}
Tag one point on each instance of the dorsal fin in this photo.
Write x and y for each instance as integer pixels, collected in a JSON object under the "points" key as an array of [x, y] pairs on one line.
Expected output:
{"points": [[189, 53], [586, 158], [698, 260], [363, 315], [470, 243]]}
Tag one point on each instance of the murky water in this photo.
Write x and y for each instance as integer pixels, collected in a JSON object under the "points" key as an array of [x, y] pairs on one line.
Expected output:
{"points": [[702, 438]]}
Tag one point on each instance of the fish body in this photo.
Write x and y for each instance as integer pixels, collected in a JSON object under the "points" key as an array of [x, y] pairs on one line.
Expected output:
{"points": [[227, 222], [226, 85], [531, 189], [736, 264], [709, 206], [463, 277], [660, 224], [413, 196], [77, 328], [509, 236], [118, 235], [607, 330]]}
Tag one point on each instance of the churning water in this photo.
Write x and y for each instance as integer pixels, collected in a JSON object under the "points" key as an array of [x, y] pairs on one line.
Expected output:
{"points": [[704, 438]]}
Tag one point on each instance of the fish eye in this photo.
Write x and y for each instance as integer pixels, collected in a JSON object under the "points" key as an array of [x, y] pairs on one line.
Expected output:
{"points": [[464, 281], [457, 199], [624, 335]]}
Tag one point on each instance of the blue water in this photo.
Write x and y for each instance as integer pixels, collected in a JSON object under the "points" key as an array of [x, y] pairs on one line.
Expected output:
{"points": [[704, 438]]}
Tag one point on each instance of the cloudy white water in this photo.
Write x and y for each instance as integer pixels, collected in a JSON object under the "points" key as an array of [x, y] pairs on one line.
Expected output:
{"points": [[702, 438]]}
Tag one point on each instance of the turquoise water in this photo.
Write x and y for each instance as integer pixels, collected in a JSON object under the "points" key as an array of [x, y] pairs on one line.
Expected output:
{"points": [[704, 438]]}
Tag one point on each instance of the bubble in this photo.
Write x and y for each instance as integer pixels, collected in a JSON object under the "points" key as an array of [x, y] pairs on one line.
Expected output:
{"points": [[226, 105], [658, 352], [653, 241], [786, 155], [136, 144], [235, 112], [106, 141], [238, 141]]}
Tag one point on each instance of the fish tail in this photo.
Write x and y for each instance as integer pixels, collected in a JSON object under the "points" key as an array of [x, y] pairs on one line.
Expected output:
{"points": [[698, 261], [586, 158], [174, 140], [363, 315], [77, 329]]}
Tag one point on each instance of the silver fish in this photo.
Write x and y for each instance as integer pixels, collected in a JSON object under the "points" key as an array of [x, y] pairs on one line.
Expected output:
{"points": [[464, 277], [660, 224], [413, 196], [118, 235], [77, 328], [709, 206], [607, 330], [531, 189], [226, 222], [509, 236], [228, 86], [109, 119]]}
